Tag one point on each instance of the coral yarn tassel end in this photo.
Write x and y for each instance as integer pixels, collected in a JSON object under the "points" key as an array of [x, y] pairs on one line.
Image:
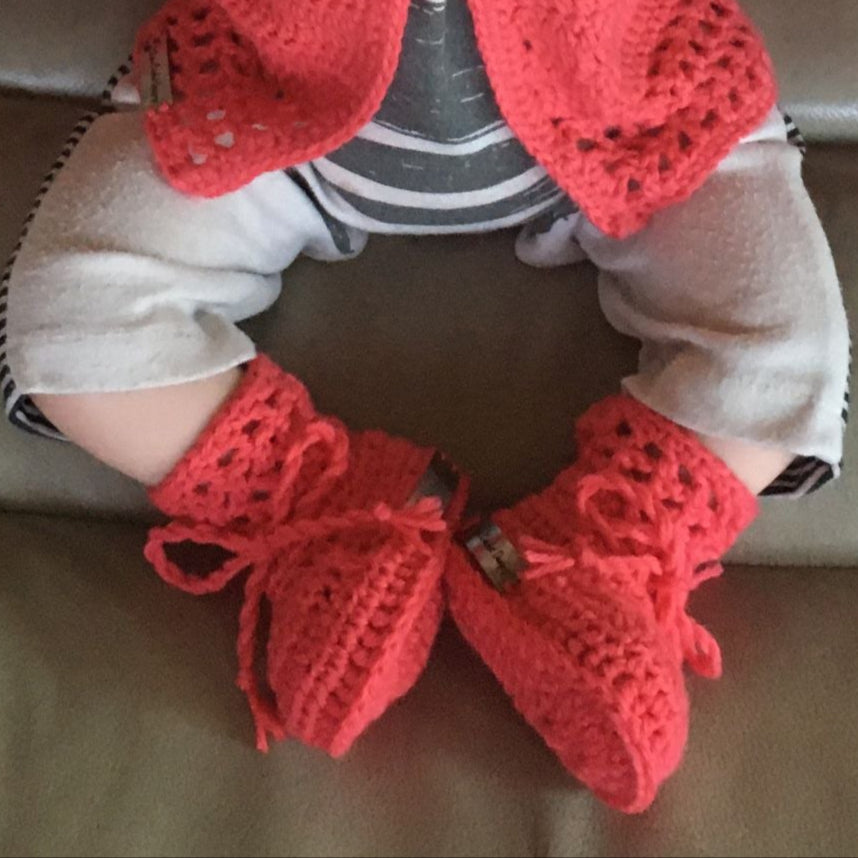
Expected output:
{"points": [[266, 725], [265, 716], [703, 653]]}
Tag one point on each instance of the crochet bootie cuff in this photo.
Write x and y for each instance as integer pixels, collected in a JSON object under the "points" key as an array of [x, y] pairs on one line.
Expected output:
{"points": [[620, 437], [261, 454]]}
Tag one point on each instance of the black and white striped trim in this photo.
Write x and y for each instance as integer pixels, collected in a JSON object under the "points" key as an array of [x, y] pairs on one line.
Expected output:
{"points": [[19, 408], [107, 103], [806, 474], [794, 134]]}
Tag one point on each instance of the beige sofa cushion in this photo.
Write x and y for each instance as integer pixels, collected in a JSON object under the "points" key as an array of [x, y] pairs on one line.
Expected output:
{"points": [[124, 734]]}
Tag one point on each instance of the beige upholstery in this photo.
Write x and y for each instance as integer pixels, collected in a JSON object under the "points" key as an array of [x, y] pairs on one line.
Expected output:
{"points": [[120, 729], [123, 734]]}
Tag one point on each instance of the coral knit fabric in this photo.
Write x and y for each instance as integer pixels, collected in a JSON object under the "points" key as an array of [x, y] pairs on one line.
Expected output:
{"points": [[628, 104], [590, 643], [323, 525]]}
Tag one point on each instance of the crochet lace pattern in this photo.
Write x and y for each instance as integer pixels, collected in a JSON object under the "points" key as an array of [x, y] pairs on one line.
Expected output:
{"points": [[327, 531], [591, 640], [260, 85], [628, 104]]}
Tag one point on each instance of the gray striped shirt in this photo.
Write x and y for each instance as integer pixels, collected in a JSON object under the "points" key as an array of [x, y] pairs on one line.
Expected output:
{"points": [[438, 156]]}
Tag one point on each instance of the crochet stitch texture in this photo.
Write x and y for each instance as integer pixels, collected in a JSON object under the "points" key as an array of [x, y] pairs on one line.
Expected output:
{"points": [[326, 529], [591, 641], [628, 104]]}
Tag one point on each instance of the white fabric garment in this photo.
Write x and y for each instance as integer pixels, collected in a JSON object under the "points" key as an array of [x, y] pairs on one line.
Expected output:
{"points": [[124, 283]]}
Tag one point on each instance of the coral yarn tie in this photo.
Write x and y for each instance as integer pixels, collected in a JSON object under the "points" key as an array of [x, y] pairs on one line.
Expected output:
{"points": [[662, 569], [260, 550], [343, 535]]}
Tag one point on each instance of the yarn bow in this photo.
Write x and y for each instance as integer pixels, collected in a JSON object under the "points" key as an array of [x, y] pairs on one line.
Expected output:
{"points": [[653, 553], [263, 551]]}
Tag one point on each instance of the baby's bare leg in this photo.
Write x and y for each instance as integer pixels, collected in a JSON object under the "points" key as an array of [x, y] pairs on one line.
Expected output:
{"points": [[142, 433], [754, 465]]}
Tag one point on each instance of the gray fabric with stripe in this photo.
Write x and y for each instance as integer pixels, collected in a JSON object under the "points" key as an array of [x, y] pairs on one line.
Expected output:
{"points": [[544, 192], [441, 90], [440, 95]]}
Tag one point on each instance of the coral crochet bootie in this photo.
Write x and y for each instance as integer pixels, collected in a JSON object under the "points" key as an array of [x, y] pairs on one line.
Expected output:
{"points": [[587, 627], [344, 536]]}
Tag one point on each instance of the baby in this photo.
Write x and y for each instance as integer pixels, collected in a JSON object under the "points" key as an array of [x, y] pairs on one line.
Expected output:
{"points": [[640, 134]]}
